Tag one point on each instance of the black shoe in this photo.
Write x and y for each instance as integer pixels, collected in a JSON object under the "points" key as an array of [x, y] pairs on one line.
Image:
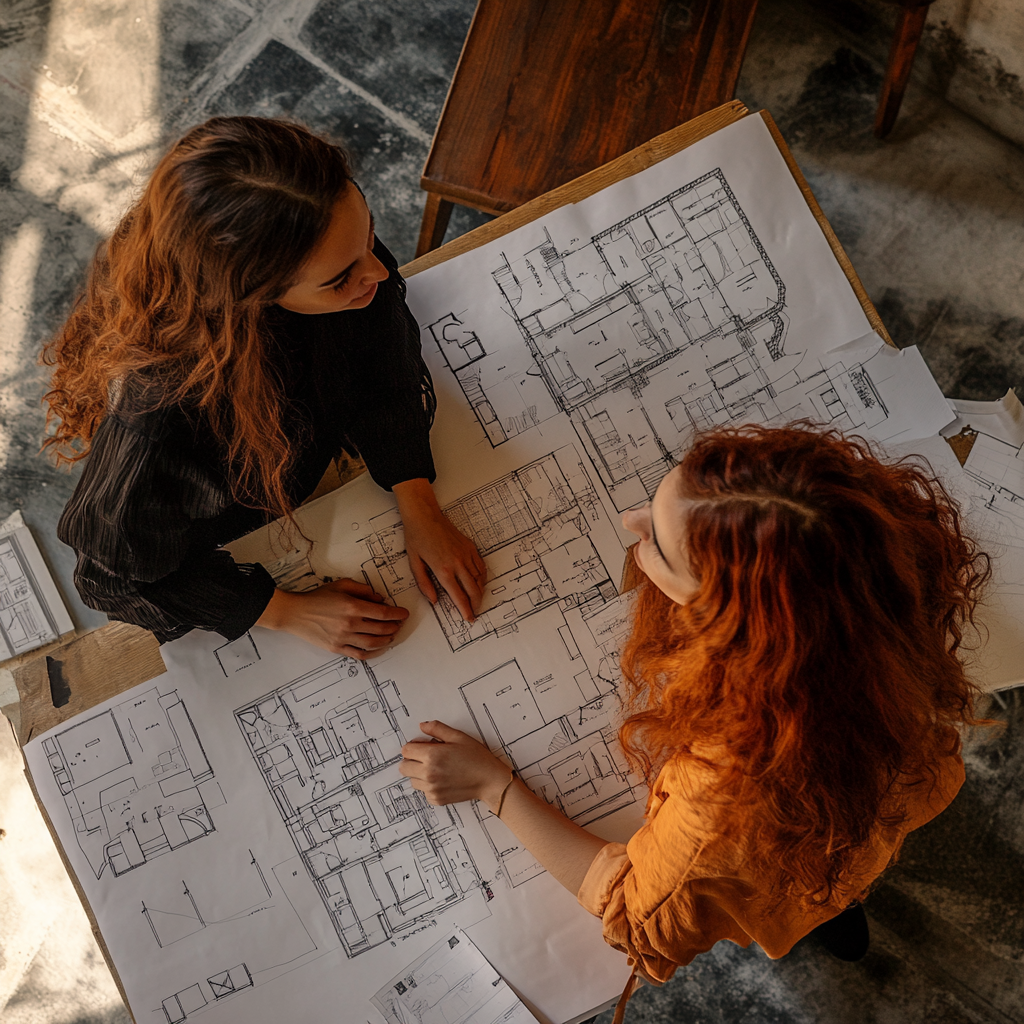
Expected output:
{"points": [[845, 936]]}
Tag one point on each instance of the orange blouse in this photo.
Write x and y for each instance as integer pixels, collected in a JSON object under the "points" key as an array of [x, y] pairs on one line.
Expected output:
{"points": [[684, 882]]}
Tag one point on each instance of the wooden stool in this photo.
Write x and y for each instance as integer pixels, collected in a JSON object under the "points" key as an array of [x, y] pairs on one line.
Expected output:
{"points": [[909, 26], [547, 90]]}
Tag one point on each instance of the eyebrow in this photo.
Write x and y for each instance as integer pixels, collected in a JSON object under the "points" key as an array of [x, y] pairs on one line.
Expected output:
{"points": [[348, 270]]}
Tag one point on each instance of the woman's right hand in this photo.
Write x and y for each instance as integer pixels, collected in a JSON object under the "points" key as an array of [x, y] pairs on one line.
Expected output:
{"points": [[343, 617]]}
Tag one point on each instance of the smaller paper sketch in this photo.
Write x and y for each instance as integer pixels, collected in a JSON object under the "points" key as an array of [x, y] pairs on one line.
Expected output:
{"points": [[452, 983], [996, 469], [237, 655], [31, 611], [131, 801]]}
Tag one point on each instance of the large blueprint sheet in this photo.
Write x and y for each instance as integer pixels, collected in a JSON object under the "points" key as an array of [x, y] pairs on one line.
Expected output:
{"points": [[239, 824]]}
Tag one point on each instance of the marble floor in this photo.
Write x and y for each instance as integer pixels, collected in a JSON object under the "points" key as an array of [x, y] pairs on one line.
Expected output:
{"points": [[933, 220]]}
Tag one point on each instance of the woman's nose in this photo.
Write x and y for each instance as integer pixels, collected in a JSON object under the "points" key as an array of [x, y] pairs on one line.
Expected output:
{"points": [[635, 520], [378, 272]]}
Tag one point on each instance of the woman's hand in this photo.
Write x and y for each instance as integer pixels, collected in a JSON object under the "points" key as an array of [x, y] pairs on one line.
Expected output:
{"points": [[344, 617], [431, 541], [455, 769]]}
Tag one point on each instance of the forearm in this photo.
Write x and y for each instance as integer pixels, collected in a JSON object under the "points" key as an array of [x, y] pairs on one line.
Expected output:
{"points": [[415, 496], [560, 845]]}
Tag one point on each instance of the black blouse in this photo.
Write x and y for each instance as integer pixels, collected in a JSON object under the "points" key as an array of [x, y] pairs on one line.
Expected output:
{"points": [[154, 505]]}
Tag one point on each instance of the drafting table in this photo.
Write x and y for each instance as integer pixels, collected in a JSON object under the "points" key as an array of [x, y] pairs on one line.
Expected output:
{"points": [[72, 676]]}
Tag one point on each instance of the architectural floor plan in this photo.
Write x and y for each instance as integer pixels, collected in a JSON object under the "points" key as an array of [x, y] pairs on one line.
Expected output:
{"points": [[381, 858], [451, 983], [135, 780], [532, 527], [996, 469], [31, 611], [671, 320]]}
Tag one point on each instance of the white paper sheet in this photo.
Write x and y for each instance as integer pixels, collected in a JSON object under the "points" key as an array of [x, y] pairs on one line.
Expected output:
{"points": [[700, 291], [990, 490], [452, 983], [31, 610], [1002, 420], [240, 826]]}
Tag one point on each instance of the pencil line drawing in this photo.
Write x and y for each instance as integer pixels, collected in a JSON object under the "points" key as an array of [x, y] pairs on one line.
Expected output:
{"points": [[996, 469], [26, 620], [669, 321], [559, 734], [237, 655], [451, 983], [189, 1001], [382, 860], [133, 781], [183, 1004], [177, 918], [533, 528]]}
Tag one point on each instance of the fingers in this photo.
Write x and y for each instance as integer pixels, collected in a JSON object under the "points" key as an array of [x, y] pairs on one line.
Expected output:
{"points": [[422, 577], [368, 612], [442, 732]]}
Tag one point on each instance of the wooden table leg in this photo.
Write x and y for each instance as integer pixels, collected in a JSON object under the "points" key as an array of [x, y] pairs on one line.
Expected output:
{"points": [[435, 223], [909, 26]]}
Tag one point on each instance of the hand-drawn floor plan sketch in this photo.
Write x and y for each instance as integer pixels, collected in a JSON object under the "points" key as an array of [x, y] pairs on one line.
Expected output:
{"points": [[26, 619], [996, 469], [381, 858], [558, 734], [135, 780], [669, 321], [451, 983], [532, 527]]}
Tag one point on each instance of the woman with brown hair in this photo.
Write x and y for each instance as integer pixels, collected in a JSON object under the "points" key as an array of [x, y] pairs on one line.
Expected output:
{"points": [[793, 698], [240, 330]]}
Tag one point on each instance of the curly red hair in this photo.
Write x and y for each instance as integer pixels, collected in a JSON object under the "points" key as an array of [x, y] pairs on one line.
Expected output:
{"points": [[821, 650]]}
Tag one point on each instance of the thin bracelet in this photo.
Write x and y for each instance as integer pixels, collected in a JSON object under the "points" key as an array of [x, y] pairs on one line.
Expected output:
{"points": [[501, 799]]}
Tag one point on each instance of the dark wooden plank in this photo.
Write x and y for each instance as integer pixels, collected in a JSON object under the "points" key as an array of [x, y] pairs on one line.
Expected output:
{"points": [[909, 26], [547, 90]]}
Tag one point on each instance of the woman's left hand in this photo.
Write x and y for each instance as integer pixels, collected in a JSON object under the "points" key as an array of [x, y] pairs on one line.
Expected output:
{"points": [[431, 541], [455, 769]]}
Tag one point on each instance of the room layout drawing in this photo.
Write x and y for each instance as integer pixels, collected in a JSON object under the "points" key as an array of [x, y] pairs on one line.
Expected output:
{"points": [[451, 983], [558, 733], [26, 620], [533, 528], [996, 470], [671, 320], [382, 860], [189, 1001], [135, 780]]}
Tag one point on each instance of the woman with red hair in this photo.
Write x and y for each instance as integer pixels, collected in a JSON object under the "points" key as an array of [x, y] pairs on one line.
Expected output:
{"points": [[793, 695]]}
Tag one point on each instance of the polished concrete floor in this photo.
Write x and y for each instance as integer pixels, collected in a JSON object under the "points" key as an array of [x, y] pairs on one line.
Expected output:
{"points": [[933, 220]]}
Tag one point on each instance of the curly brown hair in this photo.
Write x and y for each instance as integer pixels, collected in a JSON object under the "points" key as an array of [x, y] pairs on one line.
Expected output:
{"points": [[176, 297]]}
